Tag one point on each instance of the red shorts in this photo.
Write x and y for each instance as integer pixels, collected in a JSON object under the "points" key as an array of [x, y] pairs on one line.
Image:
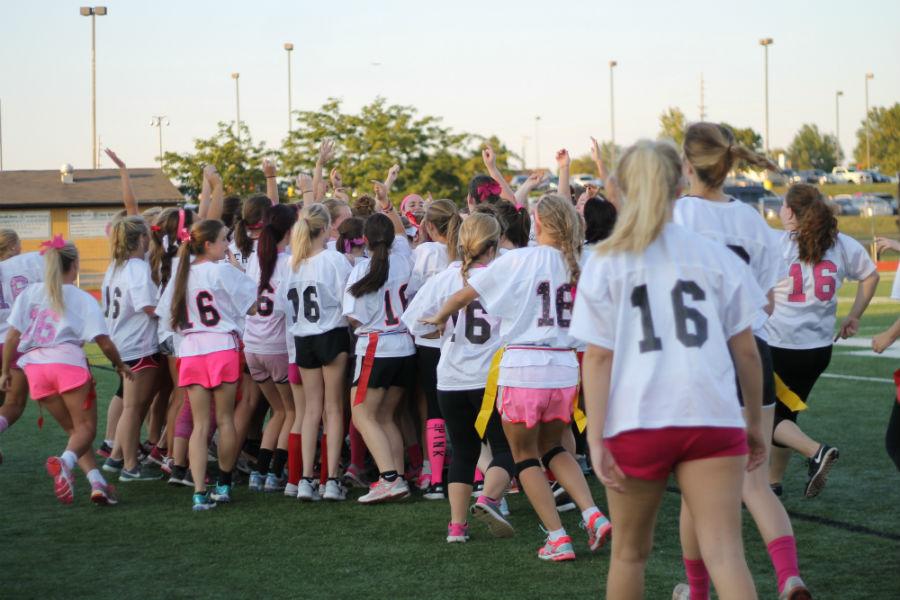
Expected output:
{"points": [[209, 370], [534, 405], [52, 379], [651, 454]]}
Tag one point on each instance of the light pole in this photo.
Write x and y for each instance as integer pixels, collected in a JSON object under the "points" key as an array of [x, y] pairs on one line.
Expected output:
{"points": [[612, 115], [525, 139], [765, 43], [93, 12], [289, 47], [868, 152], [537, 143], [237, 98], [837, 121], [158, 121]]}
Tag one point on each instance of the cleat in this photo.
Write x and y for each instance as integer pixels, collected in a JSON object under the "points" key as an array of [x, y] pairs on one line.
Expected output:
{"points": [[353, 478], [504, 507], [477, 489], [155, 457], [457, 533], [819, 466], [138, 474], [386, 491], [599, 529], [104, 494], [488, 512], [63, 482], [682, 591], [564, 502], [290, 490], [104, 450], [557, 551]]}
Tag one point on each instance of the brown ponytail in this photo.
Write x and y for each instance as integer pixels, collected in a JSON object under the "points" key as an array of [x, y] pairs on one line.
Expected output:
{"points": [[253, 215], [479, 233], [125, 237], [712, 151], [205, 231], [161, 255], [379, 238], [817, 228]]}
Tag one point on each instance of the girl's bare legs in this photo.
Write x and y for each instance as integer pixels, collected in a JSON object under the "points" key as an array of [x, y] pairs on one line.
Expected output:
{"points": [[113, 414], [138, 393], [387, 418], [524, 444], [314, 394], [272, 430], [198, 446], [176, 401], [334, 383], [563, 464], [365, 417], [225, 424]]}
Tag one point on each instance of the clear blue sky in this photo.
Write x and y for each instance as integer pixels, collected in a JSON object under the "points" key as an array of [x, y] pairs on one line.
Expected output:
{"points": [[486, 67]]}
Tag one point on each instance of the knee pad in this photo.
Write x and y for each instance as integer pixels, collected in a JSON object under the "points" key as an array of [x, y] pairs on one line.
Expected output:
{"points": [[550, 455], [527, 464]]}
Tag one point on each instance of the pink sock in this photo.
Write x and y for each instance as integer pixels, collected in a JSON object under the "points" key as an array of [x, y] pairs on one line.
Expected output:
{"points": [[436, 442], [783, 552], [698, 578], [357, 448], [479, 476], [414, 452]]}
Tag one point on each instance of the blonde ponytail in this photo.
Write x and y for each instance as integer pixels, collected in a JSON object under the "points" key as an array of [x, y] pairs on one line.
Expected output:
{"points": [[58, 262], [313, 220], [479, 233], [125, 238], [444, 217], [712, 151], [649, 177], [560, 221]]}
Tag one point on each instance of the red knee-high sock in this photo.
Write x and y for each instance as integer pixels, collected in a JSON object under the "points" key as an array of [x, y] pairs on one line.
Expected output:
{"points": [[357, 448], [295, 458], [479, 476], [436, 442], [323, 460], [698, 578], [414, 452], [783, 552]]}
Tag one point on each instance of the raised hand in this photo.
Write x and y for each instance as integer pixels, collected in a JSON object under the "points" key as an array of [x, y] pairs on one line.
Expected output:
{"points": [[113, 157], [211, 174], [336, 181], [562, 159], [392, 176], [381, 193], [326, 151], [886, 244], [489, 158], [304, 183], [602, 171], [268, 168], [537, 179], [595, 150]]}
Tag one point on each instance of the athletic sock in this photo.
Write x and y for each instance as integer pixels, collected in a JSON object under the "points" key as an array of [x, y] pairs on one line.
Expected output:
{"points": [[4, 424], [295, 460], [783, 552], [556, 534], [414, 452], [110, 443], [69, 458], [280, 457], [390, 476], [95, 477], [587, 514], [225, 478], [436, 442], [479, 476], [323, 459], [698, 578], [357, 448], [263, 459]]}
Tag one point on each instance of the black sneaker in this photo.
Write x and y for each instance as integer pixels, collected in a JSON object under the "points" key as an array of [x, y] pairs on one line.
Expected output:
{"points": [[819, 466], [104, 450], [777, 489], [435, 491], [564, 502]]}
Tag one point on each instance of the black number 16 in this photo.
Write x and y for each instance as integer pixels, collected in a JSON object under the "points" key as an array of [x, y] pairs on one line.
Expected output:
{"points": [[641, 300]]}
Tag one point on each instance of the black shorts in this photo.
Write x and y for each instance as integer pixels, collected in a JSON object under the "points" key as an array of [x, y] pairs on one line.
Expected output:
{"points": [[394, 371], [316, 351], [153, 361], [799, 370], [427, 359], [765, 359]]}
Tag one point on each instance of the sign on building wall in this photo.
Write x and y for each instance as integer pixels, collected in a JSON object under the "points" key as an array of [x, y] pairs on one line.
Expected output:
{"points": [[89, 223], [29, 224]]}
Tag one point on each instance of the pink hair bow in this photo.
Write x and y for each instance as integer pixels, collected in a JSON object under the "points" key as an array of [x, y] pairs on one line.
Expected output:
{"points": [[183, 234], [350, 244], [486, 190], [257, 225], [57, 243]]}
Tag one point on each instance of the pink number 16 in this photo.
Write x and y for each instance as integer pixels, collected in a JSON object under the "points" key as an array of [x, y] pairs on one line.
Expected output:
{"points": [[825, 284]]}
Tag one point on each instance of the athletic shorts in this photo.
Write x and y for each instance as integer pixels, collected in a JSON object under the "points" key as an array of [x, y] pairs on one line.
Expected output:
{"points": [[210, 370], [54, 378], [184, 423], [799, 370], [137, 365], [316, 351], [267, 366], [651, 454], [15, 357], [394, 371], [167, 347], [535, 405], [427, 359], [765, 358], [294, 374]]}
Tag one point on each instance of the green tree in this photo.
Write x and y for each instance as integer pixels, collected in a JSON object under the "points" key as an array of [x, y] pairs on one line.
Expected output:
{"points": [[884, 139], [810, 149], [746, 137], [583, 164], [672, 124], [238, 162], [610, 153]]}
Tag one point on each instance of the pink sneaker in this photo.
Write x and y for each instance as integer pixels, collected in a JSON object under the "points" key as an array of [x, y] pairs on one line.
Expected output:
{"points": [[599, 529], [457, 532], [488, 512], [104, 494], [380, 491], [63, 482], [423, 482], [399, 489], [557, 551]]}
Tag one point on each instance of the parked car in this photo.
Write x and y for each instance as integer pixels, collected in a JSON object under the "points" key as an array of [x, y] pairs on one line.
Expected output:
{"points": [[845, 208], [877, 176], [517, 181], [810, 176], [793, 176], [872, 206], [845, 175], [751, 194], [889, 198], [770, 206], [586, 179]]}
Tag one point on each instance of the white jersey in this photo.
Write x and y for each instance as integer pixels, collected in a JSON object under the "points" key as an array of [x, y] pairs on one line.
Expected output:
{"points": [[126, 292], [380, 311], [313, 293], [264, 332], [48, 337], [241, 258], [667, 314], [806, 296], [428, 258], [740, 227], [16, 273], [469, 344], [218, 298], [529, 290]]}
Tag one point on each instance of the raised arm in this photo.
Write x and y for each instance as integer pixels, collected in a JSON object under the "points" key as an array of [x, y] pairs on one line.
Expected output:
{"points": [[268, 169], [562, 162], [131, 203], [326, 153], [609, 183], [490, 162], [217, 202], [305, 189], [205, 198], [536, 179], [382, 191]]}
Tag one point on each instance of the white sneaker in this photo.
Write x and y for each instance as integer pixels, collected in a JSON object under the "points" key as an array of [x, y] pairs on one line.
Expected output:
{"points": [[399, 489], [682, 591], [794, 589], [334, 491], [380, 491], [504, 507], [290, 490], [308, 491]]}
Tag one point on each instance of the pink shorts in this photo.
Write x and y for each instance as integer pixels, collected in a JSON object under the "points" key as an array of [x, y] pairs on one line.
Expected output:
{"points": [[267, 366], [294, 374], [651, 454], [52, 379], [15, 357], [533, 405], [210, 370]]}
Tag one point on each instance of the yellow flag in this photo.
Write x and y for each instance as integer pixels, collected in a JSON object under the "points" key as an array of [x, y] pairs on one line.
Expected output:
{"points": [[787, 396]]}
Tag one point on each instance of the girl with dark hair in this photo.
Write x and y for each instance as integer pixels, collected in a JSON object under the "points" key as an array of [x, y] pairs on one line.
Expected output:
{"points": [[247, 228], [350, 241]]}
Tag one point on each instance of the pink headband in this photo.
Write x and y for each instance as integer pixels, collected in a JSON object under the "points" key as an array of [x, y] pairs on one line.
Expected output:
{"points": [[486, 190], [183, 234], [409, 198], [350, 244], [257, 225], [56, 243]]}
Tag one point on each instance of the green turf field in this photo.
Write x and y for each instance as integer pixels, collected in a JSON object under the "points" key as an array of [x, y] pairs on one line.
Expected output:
{"points": [[153, 546]]}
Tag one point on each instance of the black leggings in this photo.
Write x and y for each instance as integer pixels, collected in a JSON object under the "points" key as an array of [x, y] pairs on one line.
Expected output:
{"points": [[460, 410], [892, 436], [426, 363], [799, 370]]}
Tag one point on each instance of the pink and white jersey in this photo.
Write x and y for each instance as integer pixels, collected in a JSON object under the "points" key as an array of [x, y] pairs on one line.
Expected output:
{"points": [[806, 296], [469, 342], [127, 290], [313, 294], [16, 273], [218, 298], [740, 227], [429, 258], [667, 314], [264, 332], [529, 290], [380, 311], [49, 337]]}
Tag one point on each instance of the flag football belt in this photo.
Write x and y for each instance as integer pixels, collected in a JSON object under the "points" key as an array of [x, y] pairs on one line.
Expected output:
{"points": [[368, 362]]}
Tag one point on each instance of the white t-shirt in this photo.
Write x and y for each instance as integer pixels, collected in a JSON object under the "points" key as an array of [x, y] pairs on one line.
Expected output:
{"points": [[429, 258], [528, 289], [264, 332], [239, 256], [806, 296], [48, 337], [667, 314], [380, 311], [740, 227], [126, 292], [16, 273], [312, 294], [469, 344], [218, 298]]}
